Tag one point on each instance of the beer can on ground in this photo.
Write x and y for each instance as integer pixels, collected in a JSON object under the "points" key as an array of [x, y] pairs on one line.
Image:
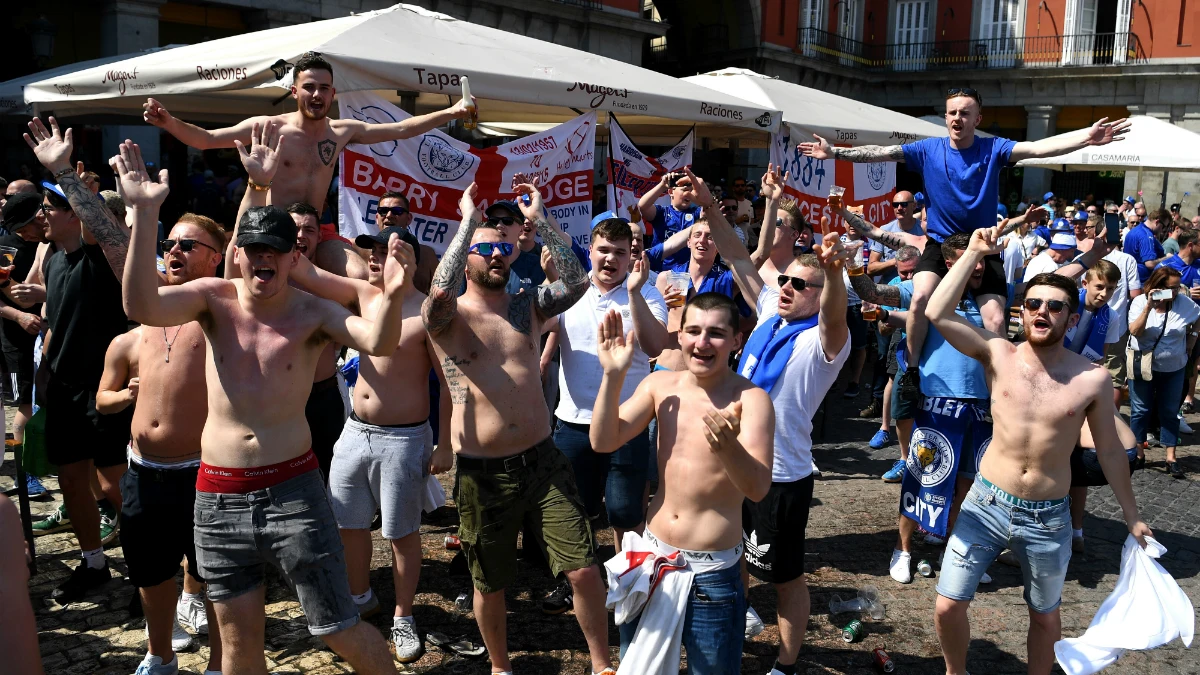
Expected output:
{"points": [[883, 662], [924, 568], [452, 542], [852, 632]]}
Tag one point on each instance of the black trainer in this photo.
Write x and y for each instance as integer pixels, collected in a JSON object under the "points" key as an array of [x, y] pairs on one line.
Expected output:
{"points": [[910, 385], [82, 580], [559, 600]]}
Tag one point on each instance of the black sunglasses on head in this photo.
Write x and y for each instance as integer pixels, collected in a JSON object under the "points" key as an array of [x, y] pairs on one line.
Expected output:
{"points": [[385, 211], [797, 283], [185, 245], [964, 91], [500, 220], [1055, 306]]}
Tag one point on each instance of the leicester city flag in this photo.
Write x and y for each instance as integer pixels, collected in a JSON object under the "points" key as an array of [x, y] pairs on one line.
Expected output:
{"points": [[948, 434]]}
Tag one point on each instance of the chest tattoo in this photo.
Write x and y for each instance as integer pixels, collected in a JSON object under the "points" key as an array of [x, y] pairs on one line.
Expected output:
{"points": [[520, 314], [455, 380], [326, 149]]}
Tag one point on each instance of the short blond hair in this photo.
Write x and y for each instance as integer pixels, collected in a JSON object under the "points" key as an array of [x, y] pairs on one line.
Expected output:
{"points": [[209, 226], [792, 208]]}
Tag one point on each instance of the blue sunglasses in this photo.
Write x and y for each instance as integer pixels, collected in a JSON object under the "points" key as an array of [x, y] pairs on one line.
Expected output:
{"points": [[487, 248]]}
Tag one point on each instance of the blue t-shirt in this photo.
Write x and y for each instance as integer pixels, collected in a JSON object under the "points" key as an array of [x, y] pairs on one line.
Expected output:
{"points": [[944, 370], [1141, 243], [667, 221], [1190, 273], [963, 186], [528, 267]]}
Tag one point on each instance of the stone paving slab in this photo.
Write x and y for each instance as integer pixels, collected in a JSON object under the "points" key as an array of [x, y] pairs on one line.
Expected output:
{"points": [[850, 537]]}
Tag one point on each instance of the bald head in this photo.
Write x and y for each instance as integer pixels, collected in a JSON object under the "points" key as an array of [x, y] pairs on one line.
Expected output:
{"points": [[20, 185]]}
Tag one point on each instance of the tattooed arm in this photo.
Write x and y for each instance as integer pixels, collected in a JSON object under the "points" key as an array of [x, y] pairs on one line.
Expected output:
{"points": [[892, 240], [879, 294], [555, 298], [1033, 213], [864, 153], [441, 305]]}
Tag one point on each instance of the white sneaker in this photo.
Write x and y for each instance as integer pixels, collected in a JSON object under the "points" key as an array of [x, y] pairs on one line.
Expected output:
{"points": [[153, 665], [191, 614], [815, 472], [408, 644], [901, 567], [754, 624], [181, 641], [985, 579], [1184, 427]]}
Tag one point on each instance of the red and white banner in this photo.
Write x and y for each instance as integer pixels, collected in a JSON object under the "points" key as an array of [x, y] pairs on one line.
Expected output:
{"points": [[868, 185], [632, 174], [433, 169]]}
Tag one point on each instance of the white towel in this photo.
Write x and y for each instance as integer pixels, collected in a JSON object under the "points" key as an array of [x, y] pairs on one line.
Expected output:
{"points": [[642, 581]]}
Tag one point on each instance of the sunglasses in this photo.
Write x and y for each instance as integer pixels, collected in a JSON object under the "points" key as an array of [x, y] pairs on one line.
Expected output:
{"points": [[487, 248], [385, 211], [501, 220], [185, 245], [1055, 306], [896, 205], [797, 283], [964, 91]]}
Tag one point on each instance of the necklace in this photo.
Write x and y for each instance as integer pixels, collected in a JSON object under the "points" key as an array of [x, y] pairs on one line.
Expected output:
{"points": [[170, 342]]}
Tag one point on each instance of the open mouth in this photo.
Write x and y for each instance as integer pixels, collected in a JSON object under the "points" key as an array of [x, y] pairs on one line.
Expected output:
{"points": [[264, 274], [175, 265], [704, 358], [302, 246], [1041, 324], [608, 269], [374, 268]]}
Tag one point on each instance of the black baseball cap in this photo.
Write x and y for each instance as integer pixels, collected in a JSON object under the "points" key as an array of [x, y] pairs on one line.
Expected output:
{"points": [[20, 210], [384, 236], [507, 205], [267, 225]]}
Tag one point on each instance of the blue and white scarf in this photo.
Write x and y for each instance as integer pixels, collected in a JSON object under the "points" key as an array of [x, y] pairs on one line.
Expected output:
{"points": [[1092, 347], [769, 348]]}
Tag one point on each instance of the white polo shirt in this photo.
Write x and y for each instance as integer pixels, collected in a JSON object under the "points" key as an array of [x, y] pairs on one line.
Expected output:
{"points": [[579, 373]]}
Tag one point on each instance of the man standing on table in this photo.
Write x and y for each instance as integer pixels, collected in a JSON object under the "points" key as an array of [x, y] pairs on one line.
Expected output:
{"points": [[509, 472], [259, 497], [961, 175], [1041, 393]]}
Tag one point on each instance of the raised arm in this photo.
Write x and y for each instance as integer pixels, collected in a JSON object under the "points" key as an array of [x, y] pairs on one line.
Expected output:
{"points": [[772, 190], [554, 298], [191, 135], [260, 159], [381, 336], [1102, 132], [960, 333], [863, 153], [100, 226], [145, 301], [614, 423], [650, 331], [440, 307], [831, 320], [1101, 416], [646, 202], [363, 132], [745, 273], [1032, 213]]}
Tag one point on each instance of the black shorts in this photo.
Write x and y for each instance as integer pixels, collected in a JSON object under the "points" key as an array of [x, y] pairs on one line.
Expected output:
{"points": [[1085, 467], [75, 432], [857, 326], [326, 415], [773, 531], [994, 281], [20, 370], [157, 519]]}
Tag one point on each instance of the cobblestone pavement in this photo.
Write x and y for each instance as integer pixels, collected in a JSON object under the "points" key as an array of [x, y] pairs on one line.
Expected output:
{"points": [[850, 536]]}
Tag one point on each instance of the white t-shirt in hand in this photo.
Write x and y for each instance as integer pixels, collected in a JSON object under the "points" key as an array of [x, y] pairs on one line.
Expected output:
{"points": [[1170, 352], [580, 373], [798, 393]]}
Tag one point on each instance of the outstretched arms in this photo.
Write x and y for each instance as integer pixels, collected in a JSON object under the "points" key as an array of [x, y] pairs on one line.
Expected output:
{"points": [[821, 149], [1102, 132], [439, 308], [557, 297], [362, 132], [154, 113]]}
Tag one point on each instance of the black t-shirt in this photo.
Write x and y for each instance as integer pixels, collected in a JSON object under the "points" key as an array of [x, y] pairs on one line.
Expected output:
{"points": [[11, 331], [84, 314]]}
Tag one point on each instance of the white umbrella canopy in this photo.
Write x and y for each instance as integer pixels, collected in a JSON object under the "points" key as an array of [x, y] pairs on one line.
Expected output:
{"points": [[401, 48], [12, 92], [1150, 145], [809, 111]]}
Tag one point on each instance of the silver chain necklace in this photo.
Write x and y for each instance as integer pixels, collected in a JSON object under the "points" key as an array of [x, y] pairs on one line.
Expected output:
{"points": [[170, 342]]}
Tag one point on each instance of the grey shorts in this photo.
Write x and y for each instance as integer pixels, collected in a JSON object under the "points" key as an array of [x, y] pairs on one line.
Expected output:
{"points": [[289, 526], [380, 469]]}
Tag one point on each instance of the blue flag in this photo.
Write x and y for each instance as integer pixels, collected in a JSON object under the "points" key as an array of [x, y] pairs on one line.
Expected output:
{"points": [[949, 434]]}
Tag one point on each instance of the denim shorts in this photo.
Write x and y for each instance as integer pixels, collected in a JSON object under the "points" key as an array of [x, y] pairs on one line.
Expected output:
{"points": [[1040, 538], [618, 479], [290, 526], [714, 627]]}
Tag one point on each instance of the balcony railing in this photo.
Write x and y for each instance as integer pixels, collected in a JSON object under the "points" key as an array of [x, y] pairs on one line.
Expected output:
{"points": [[1012, 52]]}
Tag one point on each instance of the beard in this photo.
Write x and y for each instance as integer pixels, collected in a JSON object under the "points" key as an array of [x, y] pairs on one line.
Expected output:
{"points": [[1055, 336], [320, 116], [483, 277]]}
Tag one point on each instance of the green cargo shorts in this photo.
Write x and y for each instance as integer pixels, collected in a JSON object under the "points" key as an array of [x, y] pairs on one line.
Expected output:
{"points": [[497, 497]]}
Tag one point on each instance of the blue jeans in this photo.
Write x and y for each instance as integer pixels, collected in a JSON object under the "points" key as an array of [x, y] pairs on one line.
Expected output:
{"points": [[1160, 396], [1040, 538], [619, 478], [715, 625]]}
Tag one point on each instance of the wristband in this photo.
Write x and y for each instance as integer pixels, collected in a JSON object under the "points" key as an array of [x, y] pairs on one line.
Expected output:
{"points": [[62, 172], [1079, 259], [259, 188]]}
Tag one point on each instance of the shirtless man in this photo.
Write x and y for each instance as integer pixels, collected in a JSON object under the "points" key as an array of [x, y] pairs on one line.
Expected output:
{"points": [[715, 431], [259, 497], [313, 140], [165, 375], [1041, 393], [509, 471], [393, 212], [386, 450]]}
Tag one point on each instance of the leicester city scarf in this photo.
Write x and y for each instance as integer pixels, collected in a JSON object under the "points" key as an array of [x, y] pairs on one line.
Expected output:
{"points": [[1093, 345], [950, 434], [769, 348]]}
